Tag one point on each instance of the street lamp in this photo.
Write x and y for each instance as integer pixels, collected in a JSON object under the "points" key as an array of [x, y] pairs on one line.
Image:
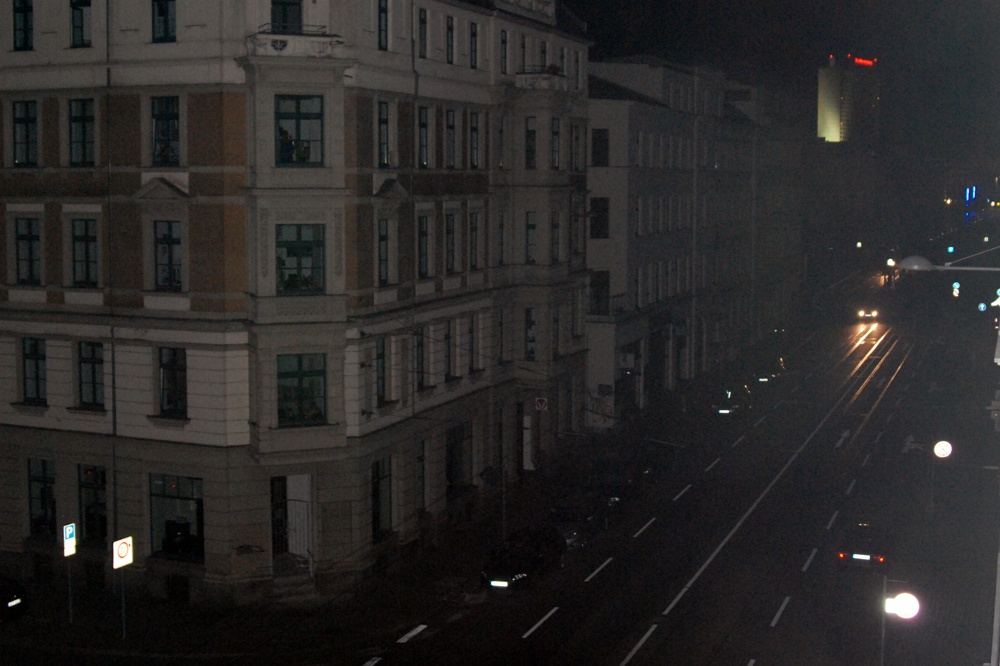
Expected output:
{"points": [[942, 450], [904, 606]]}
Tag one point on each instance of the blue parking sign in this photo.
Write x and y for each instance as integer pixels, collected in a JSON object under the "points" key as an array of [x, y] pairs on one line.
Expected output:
{"points": [[69, 532]]}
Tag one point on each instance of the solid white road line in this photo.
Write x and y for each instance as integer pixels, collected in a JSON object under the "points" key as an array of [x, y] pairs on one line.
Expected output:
{"points": [[777, 616], [539, 623], [412, 632], [643, 528], [638, 645], [678, 495], [810, 559], [598, 570]]}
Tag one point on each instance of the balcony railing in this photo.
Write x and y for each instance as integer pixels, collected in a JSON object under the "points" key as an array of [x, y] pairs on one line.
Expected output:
{"points": [[542, 78], [302, 41]]}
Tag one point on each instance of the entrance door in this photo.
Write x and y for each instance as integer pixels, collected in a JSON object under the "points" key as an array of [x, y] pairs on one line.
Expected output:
{"points": [[291, 524]]}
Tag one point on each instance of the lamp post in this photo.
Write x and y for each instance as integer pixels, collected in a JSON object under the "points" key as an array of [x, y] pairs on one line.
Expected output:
{"points": [[904, 606], [942, 450]]}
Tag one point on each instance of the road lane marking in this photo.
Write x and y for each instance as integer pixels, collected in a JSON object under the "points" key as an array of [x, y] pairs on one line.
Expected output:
{"points": [[412, 632], [678, 495], [738, 440], [889, 418], [777, 616], [776, 405], [539, 623], [714, 463], [598, 570], [638, 645], [810, 559], [832, 518], [878, 437], [760, 420], [864, 463], [850, 487], [643, 528], [751, 662]]}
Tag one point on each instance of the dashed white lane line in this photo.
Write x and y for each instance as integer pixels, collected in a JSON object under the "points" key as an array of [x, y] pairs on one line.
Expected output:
{"points": [[411, 633], [777, 616], [864, 463], [760, 420], [714, 463], [850, 487], [643, 528], [810, 559], [638, 645], [738, 440], [540, 622], [681, 493], [832, 519], [597, 570]]}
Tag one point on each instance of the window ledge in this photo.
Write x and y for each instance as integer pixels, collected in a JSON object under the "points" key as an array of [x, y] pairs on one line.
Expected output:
{"points": [[449, 379], [168, 421], [30, 407], [98, 410]]}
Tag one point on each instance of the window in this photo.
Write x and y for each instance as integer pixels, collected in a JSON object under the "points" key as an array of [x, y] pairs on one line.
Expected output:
{"points": [[381, 499], [555, 249], [449, 139], [423, 247], [500, 142], [173, 382], [167, 253], [33, 384], [450, 262], [24, 25], [176, 515], [600, 217], [448, 352], [286, 17], [501, 339], [599, 147], [501, 232], [576, 146], [450, 39], [529, 237], [422, 34], [503, 51], [81, 132], [543, 54], [600, 292], [529, 142], [90, 369], [383, 25], [25, 134], [164, 20], [554, 144], [423, 156], [301, 389], [473, 45], [92, 486], [166, 130], [529, 334], [85, 253], [298, 127], [383, 135], [577, 72], [381, 372], [383, 252], [555, 333], [28, 251], [80, 10], [473, 350], [473, 241], [299, 254], [524, 53], [474, 140], [420, 353], [42, 497]]}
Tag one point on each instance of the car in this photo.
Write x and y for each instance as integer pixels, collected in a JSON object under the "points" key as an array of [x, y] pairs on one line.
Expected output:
{"points": [[581, 515], [13, 600], [526, 555], [867, 313], [732, 398], [862, 544]]}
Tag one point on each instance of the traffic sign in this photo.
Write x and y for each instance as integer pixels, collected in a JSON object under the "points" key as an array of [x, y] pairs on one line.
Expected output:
{"points": [[121, 553], [541, 404], [69, 539]]}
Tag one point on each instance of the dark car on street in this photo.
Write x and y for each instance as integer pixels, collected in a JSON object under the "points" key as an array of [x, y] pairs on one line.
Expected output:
{"points": [[862, 544], [527, 554], [581, 515], [12, 599]]}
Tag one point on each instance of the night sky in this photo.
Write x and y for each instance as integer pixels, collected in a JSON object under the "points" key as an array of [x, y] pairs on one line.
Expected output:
{"points": [[940, 59]]}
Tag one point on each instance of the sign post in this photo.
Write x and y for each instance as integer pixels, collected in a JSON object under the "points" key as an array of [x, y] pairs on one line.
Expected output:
{"points": [[121, 557], [69, 548]]}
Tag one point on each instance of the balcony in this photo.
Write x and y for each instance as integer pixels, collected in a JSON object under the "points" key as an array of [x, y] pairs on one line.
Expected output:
{"points": [[542, 78], [307, 41]]}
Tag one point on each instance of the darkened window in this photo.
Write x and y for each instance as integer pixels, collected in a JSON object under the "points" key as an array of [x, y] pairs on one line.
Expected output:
{"points": [[383, 25], [530, 142], [529, 334], [381, 499], [543, 58], [449, 243], [501, 163], [555, 140], [28, 252], [383, 252], [176, 515], [524, 53], [420, 353], [473, 46], [422, 33], [25, 134], [173, 382], [423, 248], [449, 41], [286, 17], [24, 25], [299, 252], [473, 140], [448, 352], [42, 497], [166, 130], [92, 486], [599, 147], [164, 20], [471, 343], [380, 372], [503, 51], [501, 243], [501, 339], [600, 217], [422, 138], [600, 292], [298, 129], [555, 248], [81, 132], [383, 135], [449, 139], [529, 237], [90, 368], [33, 371], [555, 332], [301, 389], [167, 252], [80, 10], [84, 253], [473, 241], [576, 148]]}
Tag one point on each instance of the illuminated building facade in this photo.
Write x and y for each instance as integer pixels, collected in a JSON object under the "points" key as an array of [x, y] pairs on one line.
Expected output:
{"points": [[847, 109]]}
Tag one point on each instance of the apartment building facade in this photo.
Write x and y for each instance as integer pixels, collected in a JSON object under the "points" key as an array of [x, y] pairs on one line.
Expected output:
{"points": [[287, 283]]}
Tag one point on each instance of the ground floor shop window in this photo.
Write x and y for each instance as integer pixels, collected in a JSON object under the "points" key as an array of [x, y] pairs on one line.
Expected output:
{"points": [[176, 514]]}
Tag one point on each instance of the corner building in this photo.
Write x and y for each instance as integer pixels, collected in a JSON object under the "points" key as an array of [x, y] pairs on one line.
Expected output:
{"points": [[287, 284]]}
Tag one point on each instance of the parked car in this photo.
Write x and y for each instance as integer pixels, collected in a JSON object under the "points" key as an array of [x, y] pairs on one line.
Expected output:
{"points": [[862, 544], [12, 599], [580, 516], [527, 554]]}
